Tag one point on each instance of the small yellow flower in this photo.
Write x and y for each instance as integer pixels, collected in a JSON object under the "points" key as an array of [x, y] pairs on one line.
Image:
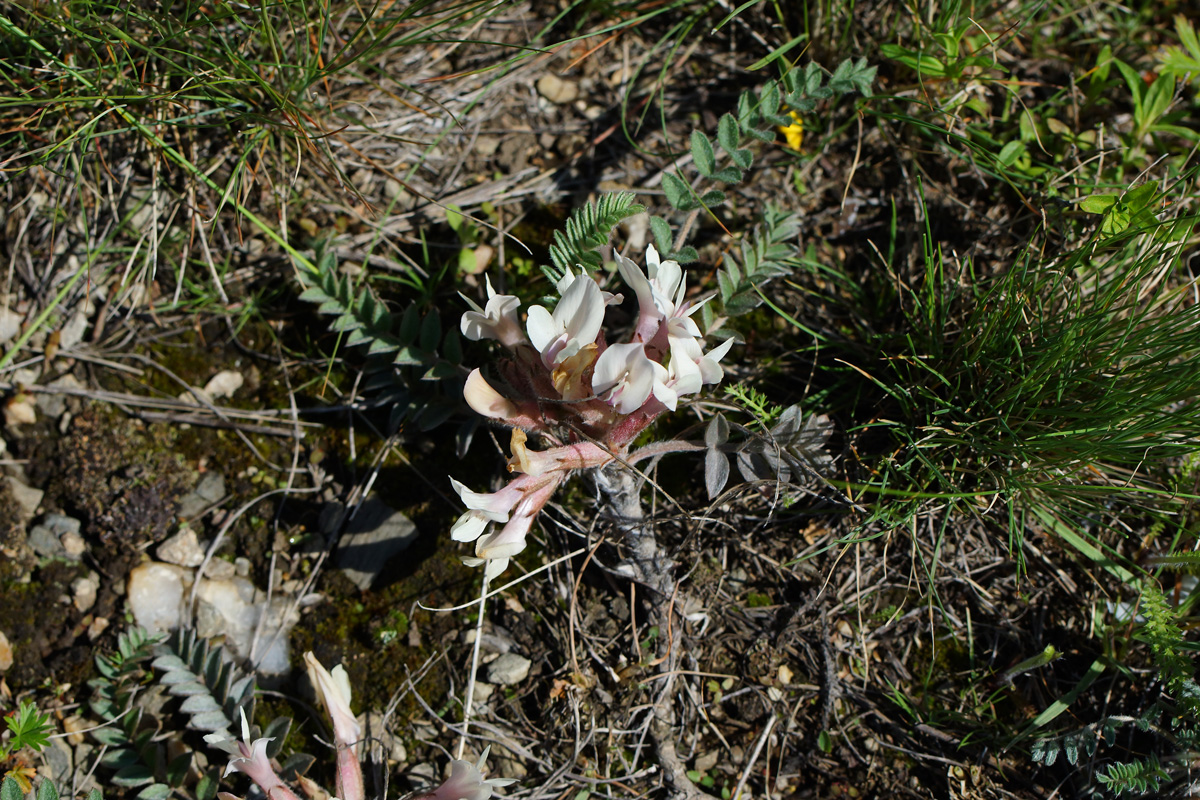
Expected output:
{"points": [[794, 133]]}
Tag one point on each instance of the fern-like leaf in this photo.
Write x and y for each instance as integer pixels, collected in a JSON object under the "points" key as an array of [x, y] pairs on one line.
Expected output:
{"points": [[1134, 777], [212, 688], [586, 230], [764, 256]]}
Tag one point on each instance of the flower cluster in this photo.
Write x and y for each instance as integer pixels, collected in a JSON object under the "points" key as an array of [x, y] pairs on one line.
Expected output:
{"points": [[466, 781], [587, 397]]}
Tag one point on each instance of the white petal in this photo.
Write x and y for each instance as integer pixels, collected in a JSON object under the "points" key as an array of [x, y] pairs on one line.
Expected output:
{"points": [[580, 313], [468, 527], [652, 260], [492, 505], [493, 570], [541, 327], [611, 366], [635, 279]]}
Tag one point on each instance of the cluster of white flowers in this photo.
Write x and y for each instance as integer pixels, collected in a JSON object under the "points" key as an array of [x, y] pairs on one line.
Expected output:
{"points": [[566, 376]]}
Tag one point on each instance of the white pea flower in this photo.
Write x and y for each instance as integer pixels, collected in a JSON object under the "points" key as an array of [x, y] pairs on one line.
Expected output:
{"points": [[495, 549], [691, 367], [572, 327], [333, 688], [498, 320], [466, 782], [482, 508], [625, 377], [250, 758]]}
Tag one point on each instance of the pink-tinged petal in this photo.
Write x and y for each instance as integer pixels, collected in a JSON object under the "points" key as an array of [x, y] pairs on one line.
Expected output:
{"points": [[333, 689], [485, 400], [497, 321], [493, 505], [506, 542]]}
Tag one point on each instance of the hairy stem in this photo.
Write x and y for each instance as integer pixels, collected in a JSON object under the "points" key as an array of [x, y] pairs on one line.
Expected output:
{"points": [[655, 569]]}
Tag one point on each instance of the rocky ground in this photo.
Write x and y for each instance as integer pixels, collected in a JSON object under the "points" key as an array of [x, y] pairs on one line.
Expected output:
{"points": [[179, 450]]}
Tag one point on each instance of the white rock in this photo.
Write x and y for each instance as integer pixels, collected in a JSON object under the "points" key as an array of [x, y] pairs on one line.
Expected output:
{"points": [[20, 410], [375, 535], [226, 608], [72, 332], [156, 593], [10, 324], [6, 655], [84, 591], [28, 499], [232, 609], [224, 384], [556, 90], [183, 549], [509, 669], [73, 545]]}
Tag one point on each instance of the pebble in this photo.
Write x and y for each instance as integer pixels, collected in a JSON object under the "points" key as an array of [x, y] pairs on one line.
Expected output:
{"points": [[55, 405], [10, 324], [73, 546], [99, 626], [155, 593], [509, 669], [72, 332], [487, 146], [224, 384], [20, 410], [507, 766], [60, 524], [557, 90], [496, 641], [233, 609], [209, 491], [44, 543], [483, 692], [220, 570], [183, 549], [84, 591], [6, 653], [57, 537]]}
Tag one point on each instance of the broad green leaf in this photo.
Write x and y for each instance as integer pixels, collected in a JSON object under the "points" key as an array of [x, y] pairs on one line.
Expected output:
{"points": [[155, 791], [137, 775], [677, 192], [1098, 203], [1011, 152], [728, 133], [662, 233], [702, 154]]}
